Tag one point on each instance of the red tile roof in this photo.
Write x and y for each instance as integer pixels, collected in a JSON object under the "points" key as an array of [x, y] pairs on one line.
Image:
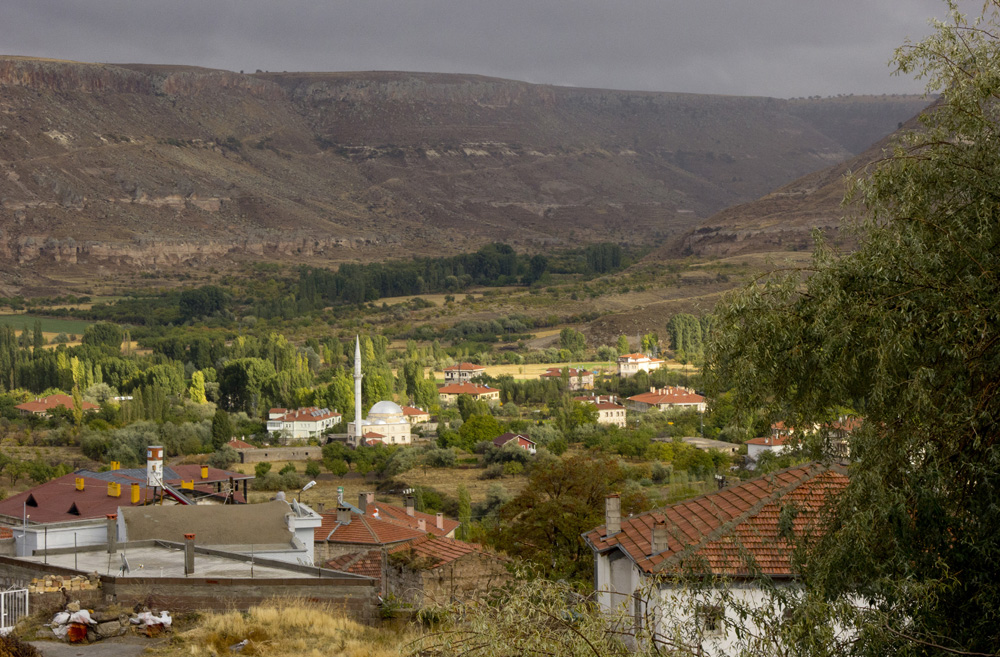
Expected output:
{"points": [[397, 514], [639, 357], [668, 396], [306, 414], [437, 551], [364, 530], [466, 388], [505, 438], [464, 367], [719, 531], [46, 404], [556, 372], [771, 440], [239, 444], [605, 406], [58, 500], [410, 410]]}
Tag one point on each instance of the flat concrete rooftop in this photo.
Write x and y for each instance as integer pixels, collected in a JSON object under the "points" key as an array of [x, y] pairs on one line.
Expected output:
{"points": [[158, 561]]}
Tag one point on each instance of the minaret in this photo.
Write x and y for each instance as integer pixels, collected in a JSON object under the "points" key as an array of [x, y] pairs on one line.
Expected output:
{"points": [[358, 432]]}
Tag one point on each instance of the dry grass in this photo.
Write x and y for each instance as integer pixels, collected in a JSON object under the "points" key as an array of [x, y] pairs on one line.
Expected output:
{"points": [[285, 628]]}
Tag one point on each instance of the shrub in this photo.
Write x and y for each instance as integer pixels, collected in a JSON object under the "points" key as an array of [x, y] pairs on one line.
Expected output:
{"points": [[261, 469], [288, 468], [224, 458], [494, 471], [512, 468], [312, 468]]}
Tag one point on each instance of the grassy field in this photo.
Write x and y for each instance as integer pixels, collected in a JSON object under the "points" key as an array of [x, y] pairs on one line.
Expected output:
{"points": [[535, 370], [49, 324]]}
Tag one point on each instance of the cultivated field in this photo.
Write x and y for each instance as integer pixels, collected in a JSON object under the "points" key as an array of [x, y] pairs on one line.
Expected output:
{"points": [[50, 326]]}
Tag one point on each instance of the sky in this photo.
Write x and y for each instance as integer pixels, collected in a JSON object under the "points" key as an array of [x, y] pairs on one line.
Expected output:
{"points": [[781, 48]]}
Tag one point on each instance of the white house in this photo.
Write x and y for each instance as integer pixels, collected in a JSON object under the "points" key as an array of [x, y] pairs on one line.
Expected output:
{"points": [[301, 423], [386, 422], [630, 364], [578, 379], [462, 372], [736, 532], [610, 413]]}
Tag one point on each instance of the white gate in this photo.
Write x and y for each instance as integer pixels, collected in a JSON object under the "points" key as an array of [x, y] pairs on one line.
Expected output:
{"points": [[13, 606]]}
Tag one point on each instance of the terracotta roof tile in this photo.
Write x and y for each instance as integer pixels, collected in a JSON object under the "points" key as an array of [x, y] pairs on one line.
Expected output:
{"points": [[45, 404], [722, 530]]}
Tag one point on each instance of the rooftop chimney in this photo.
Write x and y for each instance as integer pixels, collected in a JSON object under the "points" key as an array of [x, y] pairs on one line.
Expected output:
{"points": [[440, 521], [613, 514], [344, 515], [112, 533], [658, 543], [422, 525], [188, 554], [410, 504], [364, 499]]}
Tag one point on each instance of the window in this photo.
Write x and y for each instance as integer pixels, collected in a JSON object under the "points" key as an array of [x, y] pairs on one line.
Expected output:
{"points": [[710, 617]]}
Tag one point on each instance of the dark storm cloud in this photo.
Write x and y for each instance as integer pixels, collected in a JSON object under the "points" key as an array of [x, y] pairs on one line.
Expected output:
{"points": [[764, 47]]}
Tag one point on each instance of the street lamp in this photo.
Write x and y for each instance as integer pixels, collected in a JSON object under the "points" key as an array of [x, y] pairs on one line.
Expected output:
{"points": [[305, 488]]}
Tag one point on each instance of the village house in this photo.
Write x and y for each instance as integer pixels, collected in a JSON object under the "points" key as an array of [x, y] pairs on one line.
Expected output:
{"points": [[416, 415], [74, 507], [517, 439], [43, 406], [449, 393], [666, 399], [286, 425], [578, 379], [609, 411], [736, 532], [375, 525], [429, 570], [386, 423], [631, 364], [463, 372]]}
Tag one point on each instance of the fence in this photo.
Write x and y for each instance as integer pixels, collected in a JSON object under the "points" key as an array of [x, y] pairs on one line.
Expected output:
{"points": [[13, 606]]}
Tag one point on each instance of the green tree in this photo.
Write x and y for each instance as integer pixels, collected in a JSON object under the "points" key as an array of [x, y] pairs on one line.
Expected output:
{"points": [[38, 340], [622, 345], [905, 329], [477, 429], [464, 513], [222, 429], [242, 382], [573, 341], [544, 522], [261, 469], [197, 390], [103, 334]]}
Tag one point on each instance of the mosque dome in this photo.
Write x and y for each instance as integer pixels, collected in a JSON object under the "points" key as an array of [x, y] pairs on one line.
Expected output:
{"points": [[385, 408]]}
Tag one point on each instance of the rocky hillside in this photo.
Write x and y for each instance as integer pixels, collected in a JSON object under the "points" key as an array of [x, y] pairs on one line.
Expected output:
{"points": [[784, 219], [105, 166]]}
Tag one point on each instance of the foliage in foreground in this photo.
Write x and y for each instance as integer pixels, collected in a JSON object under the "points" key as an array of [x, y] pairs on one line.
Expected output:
{"points": [[906, 331]]}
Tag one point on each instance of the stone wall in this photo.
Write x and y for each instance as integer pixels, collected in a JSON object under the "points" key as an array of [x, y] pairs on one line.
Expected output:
{"points": [[465, 578], [305, 453]]}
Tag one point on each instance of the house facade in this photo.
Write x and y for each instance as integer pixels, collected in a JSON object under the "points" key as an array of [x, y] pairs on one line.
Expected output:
{"points": [[737, 533], [666, 399], [285, 425], [462, 372], [518, 439], [632, 364], [578, 379], [449, 393]]}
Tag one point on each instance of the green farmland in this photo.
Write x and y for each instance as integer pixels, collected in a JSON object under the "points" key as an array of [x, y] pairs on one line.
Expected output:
{"points": [[49, 324]]}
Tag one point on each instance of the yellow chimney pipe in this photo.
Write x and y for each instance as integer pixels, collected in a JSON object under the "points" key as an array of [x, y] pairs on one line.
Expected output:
{"points": [[79, 483], [204, 472], [135, 493]]}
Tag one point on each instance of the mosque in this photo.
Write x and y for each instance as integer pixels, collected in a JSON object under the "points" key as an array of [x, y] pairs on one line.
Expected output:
{"points": [[386, 421]]}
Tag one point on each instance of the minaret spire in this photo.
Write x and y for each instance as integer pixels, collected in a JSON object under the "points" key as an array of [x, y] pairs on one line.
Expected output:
{"points": [[358, 431]]}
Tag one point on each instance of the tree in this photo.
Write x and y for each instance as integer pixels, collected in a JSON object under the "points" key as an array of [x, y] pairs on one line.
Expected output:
{"points": [[905, 331], [197, 389], [103, 334], [573, 341], [622, 345], [242, 382], [544, 522], [464, 513], [261, 469], [477, 429], [223, 458], [37, 339], [222, 429]]}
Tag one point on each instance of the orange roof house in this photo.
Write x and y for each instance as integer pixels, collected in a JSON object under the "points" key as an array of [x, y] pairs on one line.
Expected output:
{"points": [[462, 372], [738, 531], [45, 405], [450, 393], [664, 399]]}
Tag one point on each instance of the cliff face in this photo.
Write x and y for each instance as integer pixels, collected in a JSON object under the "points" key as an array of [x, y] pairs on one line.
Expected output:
{"points": [[159, 166]]}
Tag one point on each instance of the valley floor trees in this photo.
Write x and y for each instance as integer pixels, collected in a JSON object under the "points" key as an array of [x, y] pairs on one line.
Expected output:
{"points": [[906, 330]]}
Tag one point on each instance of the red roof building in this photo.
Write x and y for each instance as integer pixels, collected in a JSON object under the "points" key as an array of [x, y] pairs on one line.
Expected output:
{"points": [[670, 398], [236, 443], [462, 372], [45, 405], [301, 423], [520, 440], [86, 495], [450, 393], [731, 532], [578, 379], [416, 415]]}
